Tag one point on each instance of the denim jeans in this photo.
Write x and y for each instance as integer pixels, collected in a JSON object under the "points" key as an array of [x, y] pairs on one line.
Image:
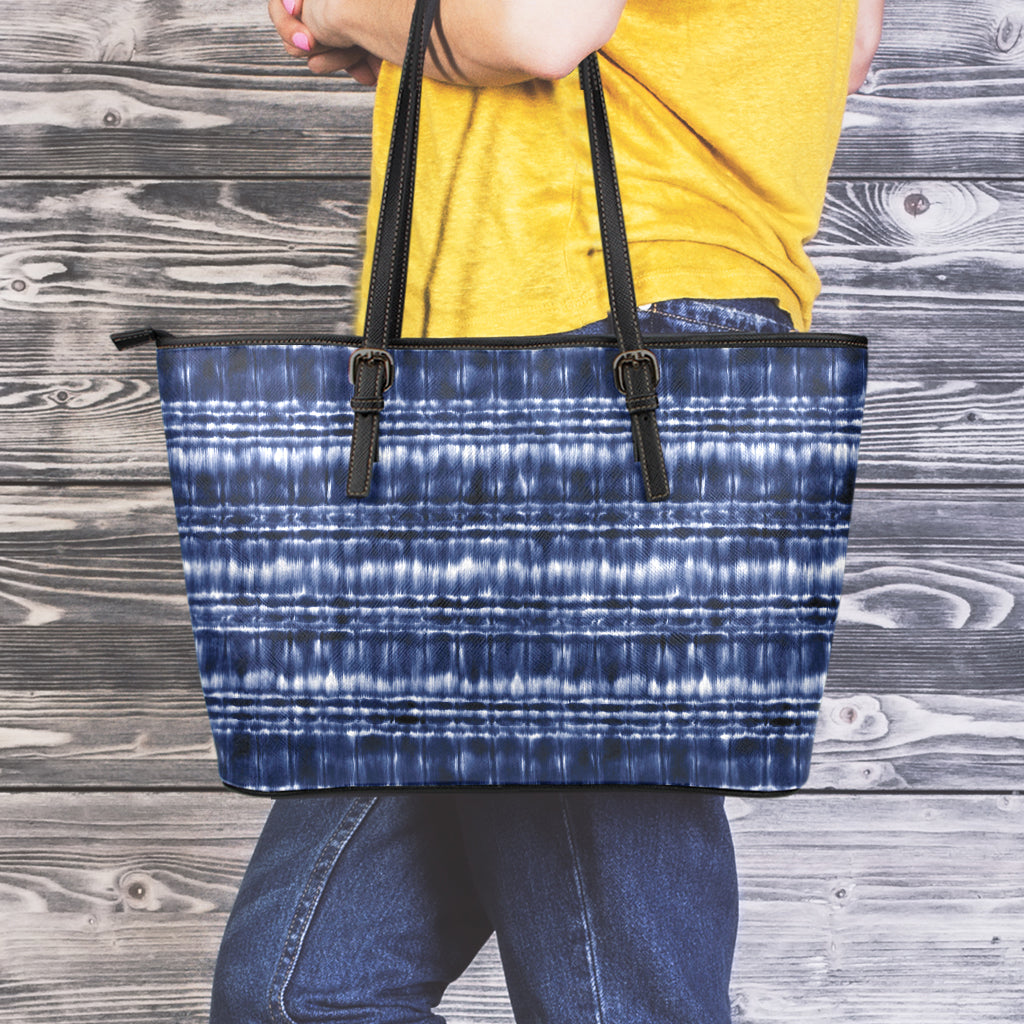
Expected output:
{"points": [[610, 904]]}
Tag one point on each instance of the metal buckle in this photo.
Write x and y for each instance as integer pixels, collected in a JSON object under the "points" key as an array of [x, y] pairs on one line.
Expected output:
{"points": [[635, 356], [370, 355]]}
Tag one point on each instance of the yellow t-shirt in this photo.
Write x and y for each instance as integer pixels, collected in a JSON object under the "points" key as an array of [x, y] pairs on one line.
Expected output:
{"points": [[725, 116]]}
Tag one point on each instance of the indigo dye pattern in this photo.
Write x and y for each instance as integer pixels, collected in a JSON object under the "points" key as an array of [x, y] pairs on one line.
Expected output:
{"points": [[506, 607]]}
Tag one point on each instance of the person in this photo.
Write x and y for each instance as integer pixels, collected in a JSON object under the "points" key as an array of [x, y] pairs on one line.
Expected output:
{"points": [[610, 904]]}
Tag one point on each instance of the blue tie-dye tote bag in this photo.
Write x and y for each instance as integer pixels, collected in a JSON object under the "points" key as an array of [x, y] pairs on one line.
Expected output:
{"points": [[573, 560]]}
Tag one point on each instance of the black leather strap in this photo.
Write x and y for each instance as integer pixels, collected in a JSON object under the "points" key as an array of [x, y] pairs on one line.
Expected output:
{"points": [[386, 297], [636, 369]]}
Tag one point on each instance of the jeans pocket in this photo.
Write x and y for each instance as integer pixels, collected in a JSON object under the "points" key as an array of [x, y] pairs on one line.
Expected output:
{"points": [[700, 316], [682, 316]]}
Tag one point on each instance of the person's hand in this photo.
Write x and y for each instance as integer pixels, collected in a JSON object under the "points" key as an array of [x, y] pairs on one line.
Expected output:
{"points": [[323, 47]]}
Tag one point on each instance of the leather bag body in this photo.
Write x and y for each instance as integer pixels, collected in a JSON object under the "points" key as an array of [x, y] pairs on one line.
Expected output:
{"points": [[578, 559]]}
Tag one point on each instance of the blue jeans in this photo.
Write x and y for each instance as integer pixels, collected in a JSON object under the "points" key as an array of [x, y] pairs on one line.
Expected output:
{"points": [[610, 904]]}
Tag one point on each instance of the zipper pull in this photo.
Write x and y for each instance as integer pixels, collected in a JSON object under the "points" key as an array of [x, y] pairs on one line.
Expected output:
{"points": [[129, 339]]}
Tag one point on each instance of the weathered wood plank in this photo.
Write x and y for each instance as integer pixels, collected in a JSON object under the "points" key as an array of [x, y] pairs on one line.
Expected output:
{"points": [[125, 119], [881, 876], [924, 241], [883, 226], [127, 895], [962, 122], [947, 403], [120, 120], [139, 248], [940, 34], [947, 33], [868, 909], [102, 706], [125, 250], [159, 32]]}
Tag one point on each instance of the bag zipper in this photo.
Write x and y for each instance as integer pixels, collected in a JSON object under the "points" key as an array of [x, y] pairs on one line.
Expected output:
{"points": [[164, 339]]}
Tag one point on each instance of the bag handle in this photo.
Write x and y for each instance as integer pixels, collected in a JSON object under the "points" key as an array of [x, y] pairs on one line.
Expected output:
{"points": [[371, 368]]}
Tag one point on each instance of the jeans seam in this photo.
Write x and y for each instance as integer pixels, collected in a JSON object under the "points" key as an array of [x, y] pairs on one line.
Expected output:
{"points": [[588, 931], [307, 904], [696, 321]]}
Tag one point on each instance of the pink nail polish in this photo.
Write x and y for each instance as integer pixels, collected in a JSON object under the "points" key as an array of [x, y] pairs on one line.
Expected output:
{"points": [[289, 6], [301, 40]]}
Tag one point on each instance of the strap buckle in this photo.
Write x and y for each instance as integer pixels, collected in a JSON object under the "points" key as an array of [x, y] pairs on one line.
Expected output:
{"points": [[634, 357], [370, 355]]}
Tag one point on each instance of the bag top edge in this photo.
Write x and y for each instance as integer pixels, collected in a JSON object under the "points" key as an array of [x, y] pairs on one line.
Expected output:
{"points": [[722, 339]]}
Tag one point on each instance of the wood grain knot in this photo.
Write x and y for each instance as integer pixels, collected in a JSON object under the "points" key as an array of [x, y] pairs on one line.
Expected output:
{"points": [[138, 891], [916, 204], [1008, 34], [855, 719]]}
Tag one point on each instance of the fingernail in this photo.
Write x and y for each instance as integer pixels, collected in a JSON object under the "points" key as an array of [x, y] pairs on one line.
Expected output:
{"points": [[289, 6], [301, 40]]}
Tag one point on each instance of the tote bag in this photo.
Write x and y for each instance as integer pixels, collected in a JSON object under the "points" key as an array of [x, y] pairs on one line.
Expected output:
{"points": [[511, 561]]}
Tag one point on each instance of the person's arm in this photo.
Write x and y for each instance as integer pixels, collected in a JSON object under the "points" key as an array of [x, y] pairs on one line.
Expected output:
{"points": [[477, 42], [868, 34]]}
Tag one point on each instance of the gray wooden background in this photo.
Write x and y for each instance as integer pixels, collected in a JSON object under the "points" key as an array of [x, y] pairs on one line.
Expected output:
{"points": [[163, 161]]}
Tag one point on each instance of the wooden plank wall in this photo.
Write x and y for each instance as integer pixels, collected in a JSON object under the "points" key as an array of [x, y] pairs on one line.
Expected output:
{"points": [[164, 161]]}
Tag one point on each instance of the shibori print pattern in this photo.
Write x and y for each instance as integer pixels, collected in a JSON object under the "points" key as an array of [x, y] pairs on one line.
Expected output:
{"points": [[506, 607]]}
